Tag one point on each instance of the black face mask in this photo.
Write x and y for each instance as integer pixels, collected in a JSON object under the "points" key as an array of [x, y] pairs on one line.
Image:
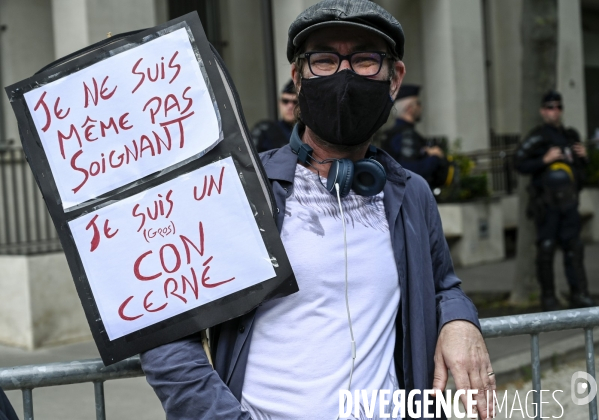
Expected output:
{"points": [[344, 108]]}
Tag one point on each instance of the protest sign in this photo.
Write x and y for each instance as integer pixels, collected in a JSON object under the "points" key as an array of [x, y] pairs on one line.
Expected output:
{"points": [[170, 248], [124, 118], [139, 147]]}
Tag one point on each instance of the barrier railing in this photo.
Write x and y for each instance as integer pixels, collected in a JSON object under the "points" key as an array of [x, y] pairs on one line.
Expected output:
{"points": [[26, 378]]}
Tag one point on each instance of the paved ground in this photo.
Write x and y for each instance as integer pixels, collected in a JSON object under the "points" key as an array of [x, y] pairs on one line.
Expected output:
{"points": [[130, 399], [498, 277]]}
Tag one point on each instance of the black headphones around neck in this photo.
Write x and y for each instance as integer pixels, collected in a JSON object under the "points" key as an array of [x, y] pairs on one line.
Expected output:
{"points": [[366, 177]]}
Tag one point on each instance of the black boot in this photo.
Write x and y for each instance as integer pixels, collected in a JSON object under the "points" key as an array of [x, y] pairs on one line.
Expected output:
{"points": [[550, 303], [581, 300], [544, 262], [576, 275]]}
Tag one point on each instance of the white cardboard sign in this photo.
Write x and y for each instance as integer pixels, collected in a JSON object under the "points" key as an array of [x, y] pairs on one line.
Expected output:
{"points": [[171, 248], [124, 118]]}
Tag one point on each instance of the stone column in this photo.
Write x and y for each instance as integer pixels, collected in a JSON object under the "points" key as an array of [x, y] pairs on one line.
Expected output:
{"points": [[118, 16], [70, 26], [26, 45], [409, 15], [285, 12], [504, 40], [244, 54], [570, 65], [78, 23], [454, 71]]}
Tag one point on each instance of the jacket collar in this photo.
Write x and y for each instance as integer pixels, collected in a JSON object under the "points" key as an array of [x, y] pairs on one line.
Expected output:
{"points": [[395, 172], [281, 166], [400, 122]]}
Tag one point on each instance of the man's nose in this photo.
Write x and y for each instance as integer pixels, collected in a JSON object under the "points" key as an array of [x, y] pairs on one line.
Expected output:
{"points": [[344, 65]]}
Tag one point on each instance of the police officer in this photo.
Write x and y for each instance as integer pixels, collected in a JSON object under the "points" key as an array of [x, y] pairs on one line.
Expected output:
{"points": [[407, 146], [555, 158], [269, 135]]}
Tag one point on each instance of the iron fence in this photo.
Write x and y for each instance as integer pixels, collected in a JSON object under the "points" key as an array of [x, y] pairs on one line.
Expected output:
{"points": [[533, 325], [497, 161], [25, 224], [504, 146], [499, 167], [26, 378]]}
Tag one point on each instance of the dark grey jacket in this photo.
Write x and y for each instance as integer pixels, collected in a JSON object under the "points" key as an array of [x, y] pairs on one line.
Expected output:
{"points": [[430, 297]]}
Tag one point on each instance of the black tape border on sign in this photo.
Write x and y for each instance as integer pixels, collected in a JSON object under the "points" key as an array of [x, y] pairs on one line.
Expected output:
{"points": [[236, 144]]}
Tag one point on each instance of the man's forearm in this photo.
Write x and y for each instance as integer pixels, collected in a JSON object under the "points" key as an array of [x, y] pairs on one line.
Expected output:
{"points": [[187, 385]]}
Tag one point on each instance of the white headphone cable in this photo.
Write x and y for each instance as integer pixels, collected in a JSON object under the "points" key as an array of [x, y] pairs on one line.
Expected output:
{"points": [[351, 330]]}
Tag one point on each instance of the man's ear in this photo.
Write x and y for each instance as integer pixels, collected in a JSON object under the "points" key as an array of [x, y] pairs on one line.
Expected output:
{"points": [[400, 72], [295, 76]]}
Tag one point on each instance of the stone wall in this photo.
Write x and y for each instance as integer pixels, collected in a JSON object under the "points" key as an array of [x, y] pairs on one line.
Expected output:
{"points": [[41, 306]]}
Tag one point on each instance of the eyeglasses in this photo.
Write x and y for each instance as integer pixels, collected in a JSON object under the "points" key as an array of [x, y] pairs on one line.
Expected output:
{"points": [[551, 107], [328, 63], [286, 101]]}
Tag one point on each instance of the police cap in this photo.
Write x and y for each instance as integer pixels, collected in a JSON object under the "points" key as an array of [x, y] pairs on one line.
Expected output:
{"points": [[406, 90], [551, 96]]}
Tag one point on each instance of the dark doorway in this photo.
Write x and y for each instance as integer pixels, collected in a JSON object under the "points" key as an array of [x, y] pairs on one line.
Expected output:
{"points": [[591, 80], [209, 12], [590, 28]]}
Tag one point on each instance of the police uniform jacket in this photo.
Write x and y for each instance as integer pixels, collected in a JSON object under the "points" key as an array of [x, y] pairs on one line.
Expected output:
{"points": [[406, 146], [268, 135], [529, 155]]}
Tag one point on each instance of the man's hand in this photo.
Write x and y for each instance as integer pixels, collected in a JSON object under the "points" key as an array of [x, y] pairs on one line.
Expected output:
{"points": [[434, 151], [462, 350], [580, 150], [553, 154]]}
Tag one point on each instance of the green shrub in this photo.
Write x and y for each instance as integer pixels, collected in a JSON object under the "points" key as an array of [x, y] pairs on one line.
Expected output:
{"points": [[592, 169], [466, 185]]}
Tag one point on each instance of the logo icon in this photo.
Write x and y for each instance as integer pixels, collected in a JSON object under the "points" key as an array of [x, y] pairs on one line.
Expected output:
{"points": [[580, 383]]}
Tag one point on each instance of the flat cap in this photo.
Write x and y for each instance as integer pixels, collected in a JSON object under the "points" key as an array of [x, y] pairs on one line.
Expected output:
{"points": [[358, 13], [406, 90]]}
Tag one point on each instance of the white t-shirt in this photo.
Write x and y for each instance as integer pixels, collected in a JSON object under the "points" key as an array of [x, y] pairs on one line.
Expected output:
{"points": [[300, 354]]}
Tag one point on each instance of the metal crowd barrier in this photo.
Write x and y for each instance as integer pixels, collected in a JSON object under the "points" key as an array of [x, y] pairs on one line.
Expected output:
{"points": [[26, 378], [533, 325]]}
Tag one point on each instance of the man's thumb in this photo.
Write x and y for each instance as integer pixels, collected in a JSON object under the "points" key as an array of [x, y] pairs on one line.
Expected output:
{"points": [[440, 375]]}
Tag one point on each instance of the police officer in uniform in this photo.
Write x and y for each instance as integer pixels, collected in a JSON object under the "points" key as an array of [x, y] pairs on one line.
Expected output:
{"points": [[407, 146], [555, 158], [269, 135]]}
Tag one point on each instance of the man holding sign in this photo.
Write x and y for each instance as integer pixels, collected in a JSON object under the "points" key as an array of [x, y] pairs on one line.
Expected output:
{"points": [[379, 307]]}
